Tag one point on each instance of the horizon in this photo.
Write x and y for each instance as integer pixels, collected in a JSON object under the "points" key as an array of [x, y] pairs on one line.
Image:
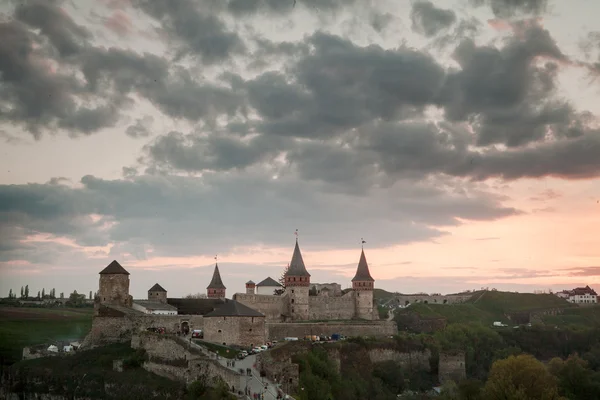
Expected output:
{"points": [[458, 139]]}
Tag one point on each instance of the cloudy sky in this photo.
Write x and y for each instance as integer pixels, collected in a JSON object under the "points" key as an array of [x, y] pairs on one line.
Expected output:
{"points": [[460, 142]]}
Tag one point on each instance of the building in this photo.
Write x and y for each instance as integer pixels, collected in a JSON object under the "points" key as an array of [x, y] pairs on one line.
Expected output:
{"points": [[154, 307], [234, 323], [249, 318], [580, 295], [114, 286], [327, 303], [268, 286]]}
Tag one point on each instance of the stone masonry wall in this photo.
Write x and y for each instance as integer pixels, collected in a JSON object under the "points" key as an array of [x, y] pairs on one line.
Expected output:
{"points": [[271, 306], [436, 299], [119, 328], [239, 331], [452, 367], [278, 331], [323, 307], [161, 346], [169, 348], [114, 289], [414, 360]]}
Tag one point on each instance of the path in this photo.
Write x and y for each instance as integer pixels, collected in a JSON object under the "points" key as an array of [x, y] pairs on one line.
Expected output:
{"points": [[391, 314], [253, 382]]}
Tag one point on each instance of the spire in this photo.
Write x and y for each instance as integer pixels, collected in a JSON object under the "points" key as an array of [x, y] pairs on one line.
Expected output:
{"points": [[362, 271], [297, 267], [216, 282]]}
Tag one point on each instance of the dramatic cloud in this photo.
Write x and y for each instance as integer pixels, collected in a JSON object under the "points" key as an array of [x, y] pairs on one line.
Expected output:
{"points": [[221, 212], [429, 20], [251, 118]]}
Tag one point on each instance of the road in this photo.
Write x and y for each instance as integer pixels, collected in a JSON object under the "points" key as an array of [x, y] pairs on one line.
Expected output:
{"points": [[254, 383]]}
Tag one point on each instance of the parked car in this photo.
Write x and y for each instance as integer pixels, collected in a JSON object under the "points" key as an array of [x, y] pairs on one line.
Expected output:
{"points": [[197, 333]]}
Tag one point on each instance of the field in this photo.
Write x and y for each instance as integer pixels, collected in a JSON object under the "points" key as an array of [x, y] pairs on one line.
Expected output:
{"points": [[487, 307], [21, 327]]}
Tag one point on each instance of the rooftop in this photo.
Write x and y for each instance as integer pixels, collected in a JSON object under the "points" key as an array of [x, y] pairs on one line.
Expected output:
{"points": [[297, 267], [155, 305], [232, 308], [269, 282], [216, 282], [114, 268], [194, 306], [157, 288]]}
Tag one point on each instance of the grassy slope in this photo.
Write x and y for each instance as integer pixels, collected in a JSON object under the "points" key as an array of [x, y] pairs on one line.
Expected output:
{"points": [[86, 372], [20, 327], [489, 307], [382, 294]]}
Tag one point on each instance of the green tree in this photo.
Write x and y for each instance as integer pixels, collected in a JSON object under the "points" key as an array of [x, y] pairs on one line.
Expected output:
{"points": [[43, 293], [575, 380], [53, 293], [22, 292], [38, 295], [520, 378], [62, 295], [10, 294], [90, 294], [281, 281], [26, 293]]}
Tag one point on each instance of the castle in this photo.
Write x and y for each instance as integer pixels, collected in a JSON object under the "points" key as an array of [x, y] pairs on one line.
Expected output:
{"points": [[297, 304], [246, 320]]}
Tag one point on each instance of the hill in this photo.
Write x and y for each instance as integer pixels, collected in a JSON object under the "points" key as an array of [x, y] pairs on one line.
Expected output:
{"points": [[23, 326], [488, 306], [380, 294]]}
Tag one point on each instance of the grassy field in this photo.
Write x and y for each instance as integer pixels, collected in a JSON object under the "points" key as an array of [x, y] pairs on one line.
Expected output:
{"points": [[20, 327], [576, 317], [491, 306], [223, 351]]}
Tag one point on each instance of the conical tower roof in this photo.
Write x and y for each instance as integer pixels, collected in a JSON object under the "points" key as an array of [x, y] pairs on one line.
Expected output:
{"points": [[362, 271], [297, 267], [114, 268], [216, 282]]}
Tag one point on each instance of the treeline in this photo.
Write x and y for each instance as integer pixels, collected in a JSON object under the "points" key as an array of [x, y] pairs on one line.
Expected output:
{"points": [[74, 299]]}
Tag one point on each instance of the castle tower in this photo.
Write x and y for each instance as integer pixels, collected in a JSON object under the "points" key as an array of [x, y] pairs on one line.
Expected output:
{"points": [[297, 283], [216, 289], [250, 287], [157, 293], [362, 285], [114, 286]]}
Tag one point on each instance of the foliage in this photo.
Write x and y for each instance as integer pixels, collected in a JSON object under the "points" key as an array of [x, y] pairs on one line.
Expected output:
{"points": [[135, 360], [87, 373], [576, 380], [480, 344], [21, 327], [383, 312], [520, 378]]}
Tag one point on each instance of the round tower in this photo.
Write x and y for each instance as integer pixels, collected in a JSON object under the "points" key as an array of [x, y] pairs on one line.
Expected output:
{"points": [[114, 286], [216, 288], [250, 287], [297, 283], [157, 293], [363, 285]]}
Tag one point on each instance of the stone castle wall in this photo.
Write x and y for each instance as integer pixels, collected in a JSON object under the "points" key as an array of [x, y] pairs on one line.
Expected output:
{"points": [[413, 360], [269, 305], [241, 331], [431, 299], [114, 289], [279, 331], [452, 367], [163, 350], [111, 325], [325, 308]]}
